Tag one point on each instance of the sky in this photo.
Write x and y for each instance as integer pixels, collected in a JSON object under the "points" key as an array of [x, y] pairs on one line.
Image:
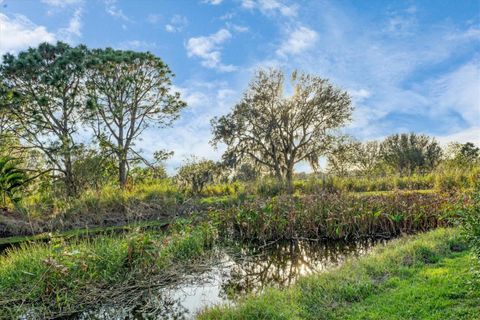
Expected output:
{"points": [[408, 65]]}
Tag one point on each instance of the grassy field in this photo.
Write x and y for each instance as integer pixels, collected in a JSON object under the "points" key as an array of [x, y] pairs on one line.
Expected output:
{"points": [[421, 277]]}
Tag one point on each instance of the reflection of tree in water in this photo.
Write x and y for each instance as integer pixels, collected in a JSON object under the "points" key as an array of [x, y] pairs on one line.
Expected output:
{"points": [[281, 264], [228, 276]]}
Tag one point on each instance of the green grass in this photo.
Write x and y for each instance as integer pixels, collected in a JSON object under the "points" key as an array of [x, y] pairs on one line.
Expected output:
{"points": [[423, 277], [58, 278], [84, 232], [432, 292]]}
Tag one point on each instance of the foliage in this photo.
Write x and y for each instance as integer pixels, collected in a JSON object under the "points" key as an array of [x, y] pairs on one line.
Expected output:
{"points": [[246, 172], [195, 174], [341, 158], [336, 216], [277, 132], [460, 155], [47, 91], [12, 180], [410, 153], [386, 284], [92, 169], [351, 157], [471, 223], [128, 92]]}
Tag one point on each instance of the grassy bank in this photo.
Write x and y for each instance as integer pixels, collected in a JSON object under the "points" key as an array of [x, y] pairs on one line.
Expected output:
{"points": [[51, 279], [421, 277]]}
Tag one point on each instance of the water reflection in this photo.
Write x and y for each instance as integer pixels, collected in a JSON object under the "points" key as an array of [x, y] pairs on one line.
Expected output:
{"points": [[232, 274], [281, 264]]}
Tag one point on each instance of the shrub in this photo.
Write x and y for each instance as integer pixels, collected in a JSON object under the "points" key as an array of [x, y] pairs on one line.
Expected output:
{"points": [[471, 223], [195, 174]]}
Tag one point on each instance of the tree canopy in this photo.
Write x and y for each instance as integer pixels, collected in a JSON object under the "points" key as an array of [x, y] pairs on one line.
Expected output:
{"points": [[45, 86], [277, 131], [128, 91], [410, 153]]}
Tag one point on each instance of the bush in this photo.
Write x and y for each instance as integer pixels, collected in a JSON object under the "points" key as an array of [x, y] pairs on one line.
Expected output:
{"points": [[452, 179], [471, 224], [195, 174]]}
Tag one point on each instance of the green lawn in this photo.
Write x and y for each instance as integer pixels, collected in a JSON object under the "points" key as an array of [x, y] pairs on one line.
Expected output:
{"points": [[437, 291]]}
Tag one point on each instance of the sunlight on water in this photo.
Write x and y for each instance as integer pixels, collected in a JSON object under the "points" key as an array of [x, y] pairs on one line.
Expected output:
{"points": [[231, 275]]}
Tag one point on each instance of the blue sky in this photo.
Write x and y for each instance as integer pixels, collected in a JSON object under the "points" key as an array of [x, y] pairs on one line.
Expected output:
{"points": [[408, 65]]}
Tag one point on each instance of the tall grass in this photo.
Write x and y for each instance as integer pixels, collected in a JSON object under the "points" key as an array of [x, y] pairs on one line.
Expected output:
{"points": [[57, 278]]}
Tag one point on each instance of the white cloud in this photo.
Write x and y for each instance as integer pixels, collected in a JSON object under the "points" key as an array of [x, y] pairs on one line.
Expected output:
{"points": [[18, 33], [271, 7], [387, 68], [359, 95], [213, 2], [154, 18], [177, 23], [237, 27], [61, 3], [402, 23], [467, 135], [208, 49], [459, 91], [135, 45], [298, 41], [112, 9], [74, 27]]}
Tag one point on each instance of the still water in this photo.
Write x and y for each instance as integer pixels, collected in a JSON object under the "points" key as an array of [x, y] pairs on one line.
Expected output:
{"points": [[231, 274]]}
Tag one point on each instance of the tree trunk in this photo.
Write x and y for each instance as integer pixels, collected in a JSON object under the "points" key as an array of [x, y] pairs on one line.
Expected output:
{"points": [[289, 178], [122, 172], [70, 186]]}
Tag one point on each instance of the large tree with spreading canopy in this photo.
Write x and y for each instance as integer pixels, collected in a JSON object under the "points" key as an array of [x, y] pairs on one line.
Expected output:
{"points": [[278, 131]]}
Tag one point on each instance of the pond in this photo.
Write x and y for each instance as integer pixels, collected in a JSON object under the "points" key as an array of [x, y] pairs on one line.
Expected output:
{"points": [[230, 274]]}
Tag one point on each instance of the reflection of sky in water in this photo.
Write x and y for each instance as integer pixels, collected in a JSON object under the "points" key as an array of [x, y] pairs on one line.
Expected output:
{"points": [[230, 275]]}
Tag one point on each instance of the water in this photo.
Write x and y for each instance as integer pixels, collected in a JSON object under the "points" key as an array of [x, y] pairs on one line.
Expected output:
{"points": [[229, 275]]}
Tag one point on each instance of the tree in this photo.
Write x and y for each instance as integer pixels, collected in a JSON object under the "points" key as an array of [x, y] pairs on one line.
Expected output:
{"points": [[469, 152], [195, 174], [128, 92], [277, 132], [409, 153], [341, 159], [93, 168], [246, 172], [463, 155], [367, 157], [45, 86]]}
